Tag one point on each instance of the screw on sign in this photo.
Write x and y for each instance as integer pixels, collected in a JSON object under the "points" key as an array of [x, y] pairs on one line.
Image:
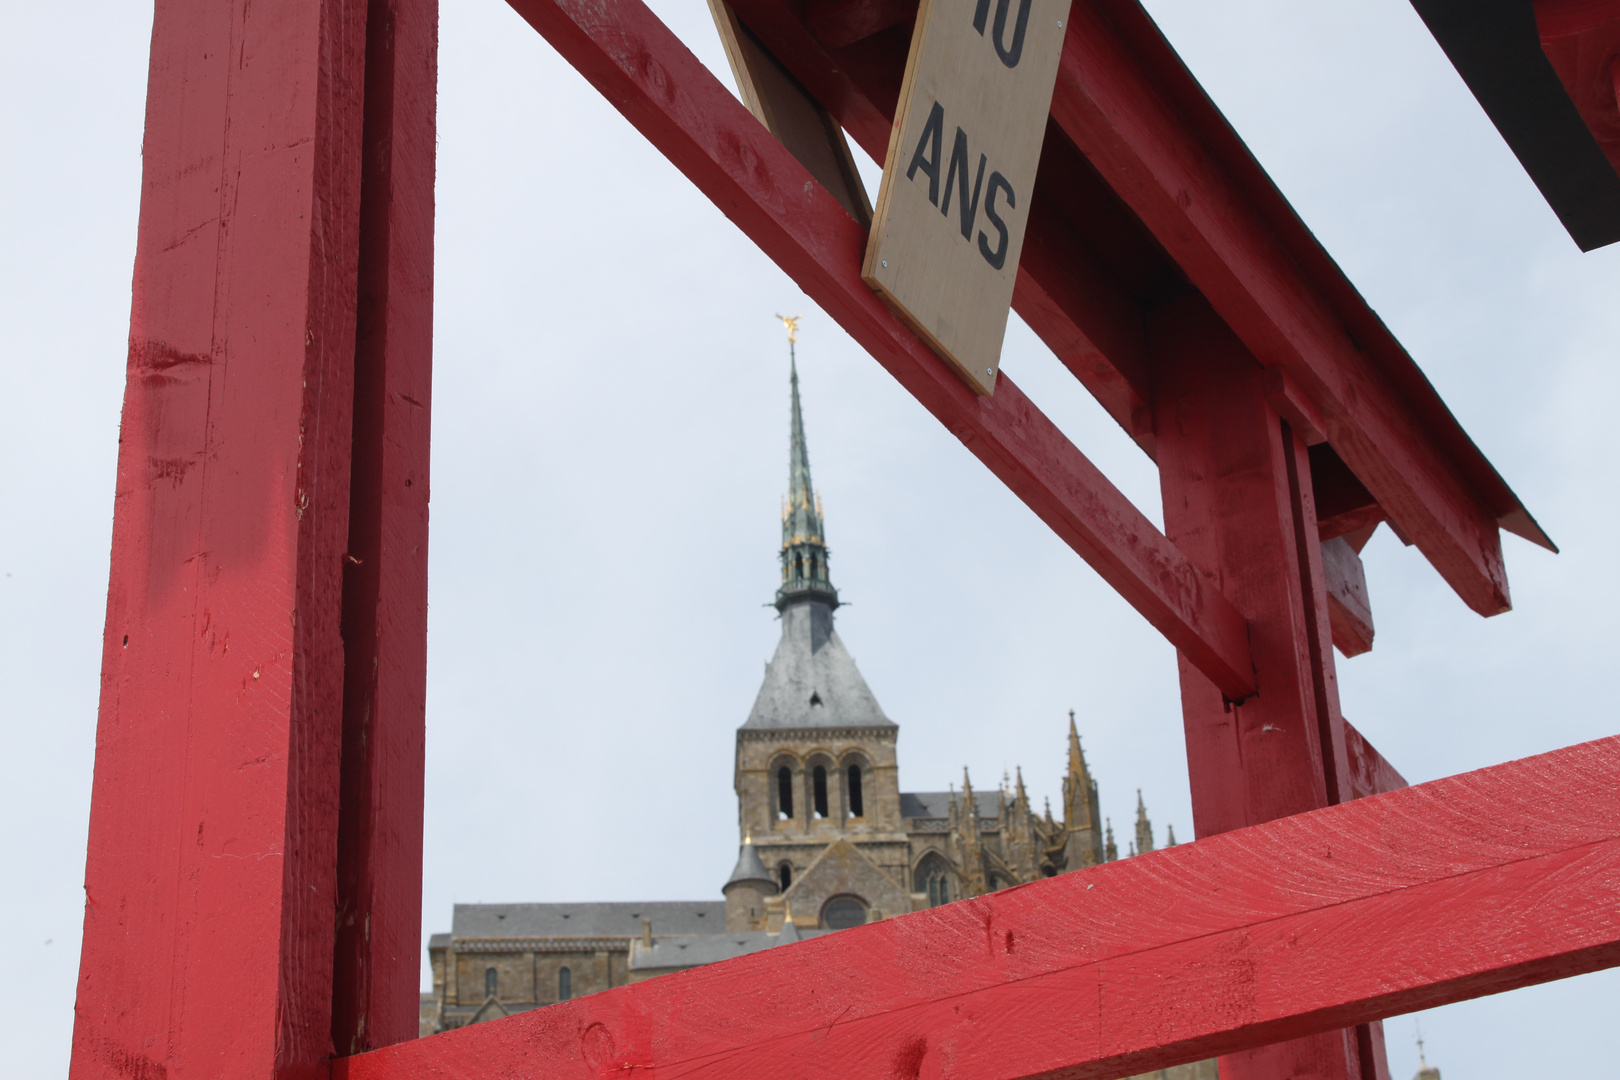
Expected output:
{"points": [[950, 218]]}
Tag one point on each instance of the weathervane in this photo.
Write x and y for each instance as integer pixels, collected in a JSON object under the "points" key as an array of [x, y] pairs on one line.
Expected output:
{"points": [[792, 324]]}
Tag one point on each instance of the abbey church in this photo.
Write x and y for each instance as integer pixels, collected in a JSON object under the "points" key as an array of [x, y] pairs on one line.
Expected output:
{"points": [[828, 838]]}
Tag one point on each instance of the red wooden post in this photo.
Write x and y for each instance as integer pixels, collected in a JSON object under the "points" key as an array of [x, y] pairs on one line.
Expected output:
{"points": [[379, 922], [213, 870], [1235, 480]]}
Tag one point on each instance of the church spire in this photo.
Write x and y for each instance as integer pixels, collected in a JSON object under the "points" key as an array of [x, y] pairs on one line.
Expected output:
{"points": [[804, 546]]}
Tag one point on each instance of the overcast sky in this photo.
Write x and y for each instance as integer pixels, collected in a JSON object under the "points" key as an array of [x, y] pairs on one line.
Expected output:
{"points": [[610, 452]]}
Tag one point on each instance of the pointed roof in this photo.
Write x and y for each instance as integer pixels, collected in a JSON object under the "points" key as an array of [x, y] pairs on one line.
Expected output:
{"points": [[1077, 785], [749, 867], [812, 681]]}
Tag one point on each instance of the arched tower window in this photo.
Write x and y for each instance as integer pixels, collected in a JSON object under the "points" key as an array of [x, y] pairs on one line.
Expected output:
{"points": [[857, 801], [565, 984], [784, 793], [818, 791], [491, 978], [784, 875], [934, 879]]}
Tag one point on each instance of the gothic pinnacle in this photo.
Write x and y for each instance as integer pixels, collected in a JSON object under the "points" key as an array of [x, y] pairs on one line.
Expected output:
{"points": [[1144, 827]]}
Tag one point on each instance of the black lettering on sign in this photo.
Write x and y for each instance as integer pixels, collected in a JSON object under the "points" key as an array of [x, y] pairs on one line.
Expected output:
{"points": [[998, 257], [1010, 55], [932, 134], [958, 169]]}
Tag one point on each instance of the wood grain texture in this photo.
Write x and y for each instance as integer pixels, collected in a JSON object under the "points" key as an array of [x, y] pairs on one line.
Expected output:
{"points": [[650, 77], [1123, 117], [970, 123], [1465, 886], [376, 969], [1235, 479], [210, 875]]}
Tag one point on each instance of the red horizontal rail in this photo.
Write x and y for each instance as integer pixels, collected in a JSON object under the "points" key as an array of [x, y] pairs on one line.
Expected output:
{"points": [[661, 88], [1466, 886]]}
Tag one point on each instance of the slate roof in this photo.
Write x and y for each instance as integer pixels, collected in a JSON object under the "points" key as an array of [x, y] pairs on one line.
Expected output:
{"points": [[937, 804], [812, 681], [587, 920], [678, 952], [749, 867]]}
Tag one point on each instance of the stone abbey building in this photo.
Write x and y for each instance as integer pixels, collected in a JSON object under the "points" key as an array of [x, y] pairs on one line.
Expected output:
{"points": [[829, 840]]}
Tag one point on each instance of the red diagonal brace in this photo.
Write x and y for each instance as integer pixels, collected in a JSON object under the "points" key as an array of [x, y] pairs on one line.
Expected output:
{"points": [[1449, 890], [650, 77]]}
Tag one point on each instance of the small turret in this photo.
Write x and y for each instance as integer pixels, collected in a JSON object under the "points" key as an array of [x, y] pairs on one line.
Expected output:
{"points": [[745, 891], [1110, 849]]}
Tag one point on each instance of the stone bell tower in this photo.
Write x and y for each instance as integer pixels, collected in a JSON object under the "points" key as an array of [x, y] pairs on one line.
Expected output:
{"points": [[816, 766]]}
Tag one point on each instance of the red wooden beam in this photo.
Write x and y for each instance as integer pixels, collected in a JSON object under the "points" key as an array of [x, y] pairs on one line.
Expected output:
{"points": [[1466, 886], [379, 903], [1143, 122], [210, 881], [1125, 99], [650, 77]]}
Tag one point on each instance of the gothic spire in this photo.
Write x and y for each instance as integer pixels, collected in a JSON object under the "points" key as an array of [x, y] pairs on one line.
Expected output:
{"points": [[1083, 843], [1144, 827], [1077, 785], [970, 857], [804, 545]]}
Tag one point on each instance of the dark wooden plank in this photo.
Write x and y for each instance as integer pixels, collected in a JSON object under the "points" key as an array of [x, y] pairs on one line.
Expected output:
{"points": [[1449, 890], [645, 72], [1349, 610], [210, 877], [379, 913]]}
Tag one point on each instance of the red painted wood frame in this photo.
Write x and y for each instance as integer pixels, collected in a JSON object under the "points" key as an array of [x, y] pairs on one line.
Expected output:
{"points": [[253, 881]]}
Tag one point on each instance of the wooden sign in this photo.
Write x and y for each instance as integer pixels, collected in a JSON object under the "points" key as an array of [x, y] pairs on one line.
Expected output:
{"points": [[960, 170]]}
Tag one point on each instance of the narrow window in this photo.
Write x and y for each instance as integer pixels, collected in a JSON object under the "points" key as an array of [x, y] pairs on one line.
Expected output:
{"points": [[785, 874], [565, 984], [490, 979], [931, 879], [857, 804], [784, 793], [818, 791]]}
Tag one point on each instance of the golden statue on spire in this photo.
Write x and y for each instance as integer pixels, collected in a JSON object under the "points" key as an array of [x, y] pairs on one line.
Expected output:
{"points": [[792, 324]]}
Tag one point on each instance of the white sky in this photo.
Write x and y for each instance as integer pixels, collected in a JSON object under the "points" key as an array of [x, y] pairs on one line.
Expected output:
{"points": [[610, 437]]}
